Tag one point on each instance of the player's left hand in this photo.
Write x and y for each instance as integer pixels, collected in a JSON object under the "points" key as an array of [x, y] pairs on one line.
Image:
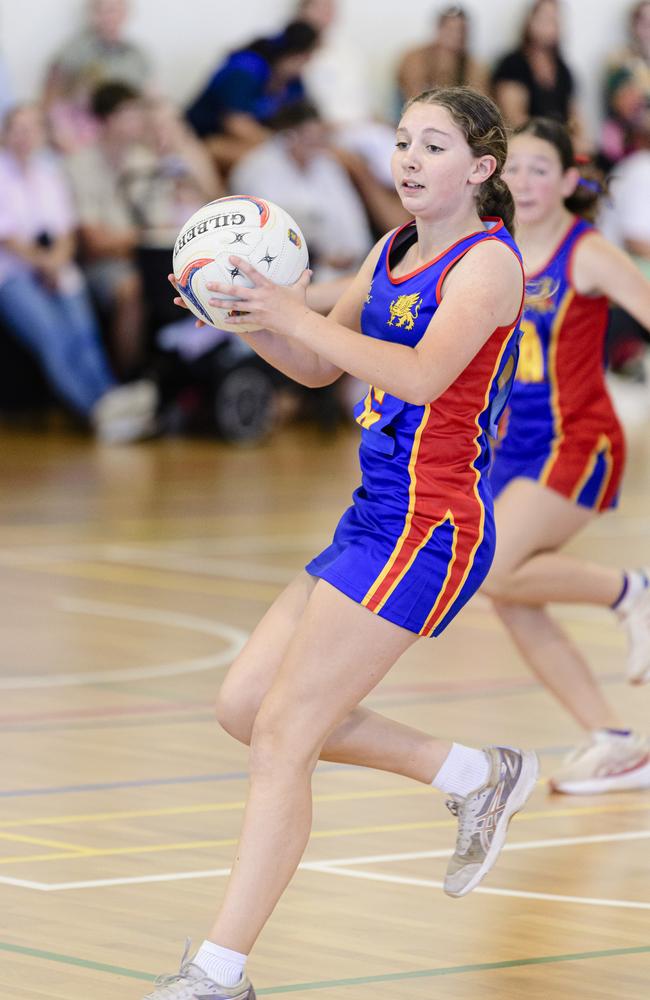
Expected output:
{"points": [[278, 308]]}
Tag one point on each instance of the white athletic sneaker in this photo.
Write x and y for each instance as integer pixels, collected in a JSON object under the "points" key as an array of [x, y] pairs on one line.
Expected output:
{"points": [[191, 983], [636, 623], [126, 413], [610, 762], [484, 815]]}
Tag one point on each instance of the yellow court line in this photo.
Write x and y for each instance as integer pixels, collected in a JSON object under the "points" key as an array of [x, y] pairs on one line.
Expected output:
{"points": [[205, 807], [23, 839], [328, 834]]}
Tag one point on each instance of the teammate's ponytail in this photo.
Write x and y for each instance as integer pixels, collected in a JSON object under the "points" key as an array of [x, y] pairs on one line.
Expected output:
{"points": [[480, 120], [590, 188]]}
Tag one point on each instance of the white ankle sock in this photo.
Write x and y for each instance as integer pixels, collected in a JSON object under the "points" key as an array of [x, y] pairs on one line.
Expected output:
{"points": [[226, 967], [463, 771], [635, 582]]}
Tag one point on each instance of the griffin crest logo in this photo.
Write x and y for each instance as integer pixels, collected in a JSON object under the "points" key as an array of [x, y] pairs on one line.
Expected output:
{"points": [[404, 311]]}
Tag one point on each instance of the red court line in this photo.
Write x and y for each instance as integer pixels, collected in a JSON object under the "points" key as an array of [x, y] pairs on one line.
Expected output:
{"points": [[172, 707]]}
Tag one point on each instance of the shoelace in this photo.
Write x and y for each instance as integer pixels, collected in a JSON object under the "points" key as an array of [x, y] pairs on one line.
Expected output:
{"points": [[166, 981], [465, 810]]}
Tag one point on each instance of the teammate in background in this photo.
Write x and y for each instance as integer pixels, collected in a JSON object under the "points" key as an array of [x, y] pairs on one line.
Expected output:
{"points": [[437, 303], [561, 461]]}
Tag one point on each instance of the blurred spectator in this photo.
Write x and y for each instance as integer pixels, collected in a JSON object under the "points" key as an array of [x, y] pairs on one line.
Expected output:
{"points": [[336, 76], [251, 86], [6, 90], [98, 54], [171, 180], [625, 221], [43, 299], [534, 80], [298, 170], [168, 180], [336, 79], [627, 87], [626, 218], [444, 61], [109, 233]]}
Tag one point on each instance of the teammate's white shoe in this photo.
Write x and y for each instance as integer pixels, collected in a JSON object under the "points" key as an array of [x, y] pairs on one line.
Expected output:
{"points": [[636, 622], [610, 762]]}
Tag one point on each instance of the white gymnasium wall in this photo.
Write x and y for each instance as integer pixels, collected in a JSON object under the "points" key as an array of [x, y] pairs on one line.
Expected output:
{"points": [[187, 38]]}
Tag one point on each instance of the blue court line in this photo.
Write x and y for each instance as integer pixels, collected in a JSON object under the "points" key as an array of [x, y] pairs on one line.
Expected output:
{"points": [[380, 703], [107, 786], [191, 779]]}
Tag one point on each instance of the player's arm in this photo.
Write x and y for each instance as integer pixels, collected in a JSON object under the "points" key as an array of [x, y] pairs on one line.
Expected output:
{"points": [[600, 268], [297, 357], [482, 292]]}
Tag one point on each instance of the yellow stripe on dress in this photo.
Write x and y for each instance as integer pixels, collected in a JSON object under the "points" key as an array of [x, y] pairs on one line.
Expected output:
{"points": [[609, 463], [603, 444], [411, 507], [437, 614], [443, 520]]}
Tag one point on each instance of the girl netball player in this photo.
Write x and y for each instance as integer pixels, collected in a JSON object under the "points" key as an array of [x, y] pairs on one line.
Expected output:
{"points": [[561, 461], [437, 305]]}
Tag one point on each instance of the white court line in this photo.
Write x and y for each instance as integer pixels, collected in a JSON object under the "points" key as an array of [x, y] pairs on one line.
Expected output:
{"points": [[339, 866], [524, 845], [517, 894], [235, 638]]}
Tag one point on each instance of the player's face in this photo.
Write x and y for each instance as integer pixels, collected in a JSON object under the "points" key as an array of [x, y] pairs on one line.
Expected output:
{"points": [[434, 169], [536, 178]]}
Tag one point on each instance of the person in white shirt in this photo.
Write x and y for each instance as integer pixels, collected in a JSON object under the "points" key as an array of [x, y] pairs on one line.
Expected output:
{"points": [[298, 169]]}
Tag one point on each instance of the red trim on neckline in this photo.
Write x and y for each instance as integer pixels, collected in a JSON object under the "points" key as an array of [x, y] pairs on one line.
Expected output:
{"points": [[423, 267]]}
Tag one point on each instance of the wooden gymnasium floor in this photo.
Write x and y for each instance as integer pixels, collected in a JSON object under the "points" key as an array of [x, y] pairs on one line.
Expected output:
{"points": [[130, 577]]}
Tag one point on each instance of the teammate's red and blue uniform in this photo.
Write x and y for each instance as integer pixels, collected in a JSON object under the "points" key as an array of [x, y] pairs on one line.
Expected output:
{"points": [[419, 538], [560, 428]]}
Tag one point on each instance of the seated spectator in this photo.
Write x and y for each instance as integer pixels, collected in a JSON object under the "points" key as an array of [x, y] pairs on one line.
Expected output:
{"points": [[625, 221], [98, 54], [44, 303], [175, 179], [7, 99], [534, 80], [109, 233], [298, 170], [336, 76], [251, 86], [444, 61], [169, 179], [627, 88], [626, 218], [336, 79]]}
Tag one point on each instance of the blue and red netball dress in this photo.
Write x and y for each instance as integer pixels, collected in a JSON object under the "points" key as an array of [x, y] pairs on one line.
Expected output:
{"points": [[419, 537], [561, 428]]}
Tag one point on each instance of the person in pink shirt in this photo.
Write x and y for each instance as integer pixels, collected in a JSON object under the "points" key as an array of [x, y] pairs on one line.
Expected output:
{"points": [[44, 303]]}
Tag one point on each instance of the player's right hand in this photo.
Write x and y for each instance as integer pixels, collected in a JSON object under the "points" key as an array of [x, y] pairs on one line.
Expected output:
{"points": [[179, 300]]}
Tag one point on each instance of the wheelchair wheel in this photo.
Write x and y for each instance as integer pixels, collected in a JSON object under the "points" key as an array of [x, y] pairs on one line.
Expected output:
{"points": [[243, 404]]}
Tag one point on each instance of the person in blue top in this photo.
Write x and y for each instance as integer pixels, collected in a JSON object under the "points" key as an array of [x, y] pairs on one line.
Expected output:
{"points": [[431, 322], [251, 86]]}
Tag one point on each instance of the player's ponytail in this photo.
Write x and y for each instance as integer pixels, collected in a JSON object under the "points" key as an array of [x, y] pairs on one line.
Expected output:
{"points": [[480, 120], [495, 199], [590, 188]]}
